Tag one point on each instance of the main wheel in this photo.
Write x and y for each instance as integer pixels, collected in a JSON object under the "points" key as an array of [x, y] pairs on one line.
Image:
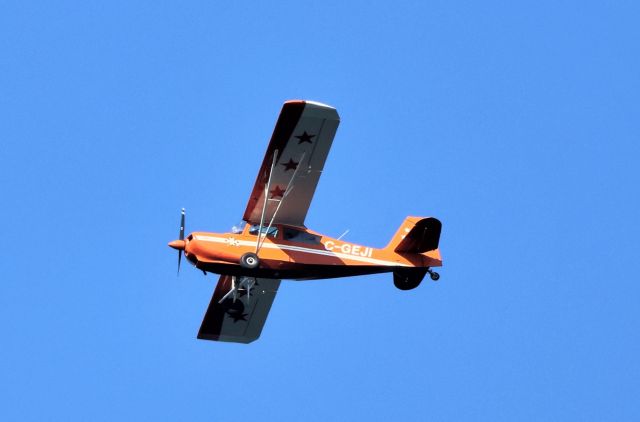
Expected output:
{"points": [[434, 276], [249, 260]]}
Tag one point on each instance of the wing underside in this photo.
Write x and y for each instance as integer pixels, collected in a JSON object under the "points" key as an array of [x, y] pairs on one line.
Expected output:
{"points": [[300, 143], [238, 321]]}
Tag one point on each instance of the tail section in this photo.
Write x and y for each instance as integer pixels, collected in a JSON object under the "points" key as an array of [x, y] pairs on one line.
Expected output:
{"points": [[416, 235]]}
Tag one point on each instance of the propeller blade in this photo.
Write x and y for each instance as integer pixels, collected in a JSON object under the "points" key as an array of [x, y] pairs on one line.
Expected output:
{"points": [[181, 238], [182, 225]]}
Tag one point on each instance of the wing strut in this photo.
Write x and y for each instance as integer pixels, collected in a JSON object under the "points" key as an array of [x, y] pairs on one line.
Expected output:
{"points": [[266, 195], [280, 201], [245, 282]]}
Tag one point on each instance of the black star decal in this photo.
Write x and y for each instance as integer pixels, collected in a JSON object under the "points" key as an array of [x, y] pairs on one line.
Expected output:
{"points": [[277, 192], [305, 137], [291, 165], [237, 315]]}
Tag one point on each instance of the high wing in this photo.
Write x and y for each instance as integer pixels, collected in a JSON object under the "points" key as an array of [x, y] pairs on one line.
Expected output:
{"points": [[300, 142], [238, 321]]}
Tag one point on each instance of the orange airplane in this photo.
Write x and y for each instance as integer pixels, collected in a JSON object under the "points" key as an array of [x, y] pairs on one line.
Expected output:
{"points": [[275, 244]]}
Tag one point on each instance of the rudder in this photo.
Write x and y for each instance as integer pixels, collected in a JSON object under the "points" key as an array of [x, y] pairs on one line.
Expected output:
{"points": [[417, 235]]}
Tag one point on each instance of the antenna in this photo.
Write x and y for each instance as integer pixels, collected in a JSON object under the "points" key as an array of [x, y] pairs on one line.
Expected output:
{"points": [[342, 235]]}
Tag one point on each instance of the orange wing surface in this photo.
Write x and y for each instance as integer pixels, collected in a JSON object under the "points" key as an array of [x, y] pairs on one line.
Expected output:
{"points": [[300, 144]]}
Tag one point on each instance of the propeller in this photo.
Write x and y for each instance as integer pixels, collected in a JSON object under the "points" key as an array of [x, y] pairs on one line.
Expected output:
{"points": [[179, 245], [181, 238]]}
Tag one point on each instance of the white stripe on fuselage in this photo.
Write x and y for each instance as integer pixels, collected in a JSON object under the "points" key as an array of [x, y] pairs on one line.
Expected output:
{"points": [[237, 242]]}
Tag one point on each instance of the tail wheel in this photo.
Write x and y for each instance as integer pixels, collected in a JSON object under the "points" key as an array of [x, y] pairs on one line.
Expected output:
{"points": [[434, 275], [249, 260]]}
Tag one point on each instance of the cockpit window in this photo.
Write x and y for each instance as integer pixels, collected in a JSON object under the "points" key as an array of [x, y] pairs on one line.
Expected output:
{"points": [[238, 228], [273, 231], [294, 235]]}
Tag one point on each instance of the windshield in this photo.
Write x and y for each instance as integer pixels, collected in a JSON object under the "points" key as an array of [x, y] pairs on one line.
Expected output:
{"points": [[238, 228]]}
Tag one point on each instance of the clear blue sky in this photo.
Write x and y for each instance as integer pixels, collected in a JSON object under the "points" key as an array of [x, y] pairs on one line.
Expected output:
{"points": [[515, 124]]}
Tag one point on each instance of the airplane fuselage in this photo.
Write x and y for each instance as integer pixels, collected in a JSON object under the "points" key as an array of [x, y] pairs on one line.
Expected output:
{"points": [[253, 261], [296, 253]]}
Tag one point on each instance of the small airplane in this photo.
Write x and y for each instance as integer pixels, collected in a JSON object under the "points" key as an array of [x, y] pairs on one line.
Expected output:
{"points": [[274, 243]]}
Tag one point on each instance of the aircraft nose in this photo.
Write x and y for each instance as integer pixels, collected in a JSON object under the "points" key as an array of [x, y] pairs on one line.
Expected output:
{"points": [[177, 244]]}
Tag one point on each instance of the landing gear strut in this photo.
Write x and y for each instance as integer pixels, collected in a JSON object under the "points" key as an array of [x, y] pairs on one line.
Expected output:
{"points": [[434, 275]]}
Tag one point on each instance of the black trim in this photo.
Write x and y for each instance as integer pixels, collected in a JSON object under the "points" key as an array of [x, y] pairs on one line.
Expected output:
{"points": [[303, 272], [213, 318], [423, 237]]}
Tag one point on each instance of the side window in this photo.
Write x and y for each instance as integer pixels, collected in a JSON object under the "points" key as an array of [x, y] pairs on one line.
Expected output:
{"points": [[294, 235], [273, 231]]}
